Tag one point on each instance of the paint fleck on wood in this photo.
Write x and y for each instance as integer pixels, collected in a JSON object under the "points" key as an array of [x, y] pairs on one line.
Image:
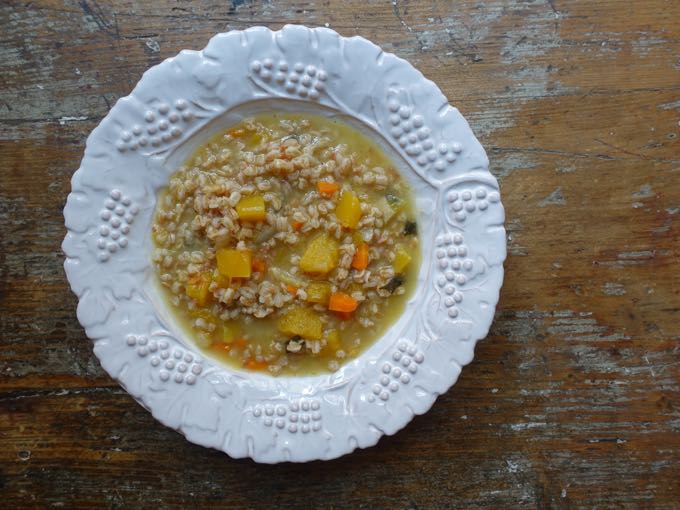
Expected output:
{"points": [[573, 401]]}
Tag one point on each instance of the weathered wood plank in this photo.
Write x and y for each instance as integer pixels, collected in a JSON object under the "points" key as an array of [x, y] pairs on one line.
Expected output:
{"points": [[573, 399]]}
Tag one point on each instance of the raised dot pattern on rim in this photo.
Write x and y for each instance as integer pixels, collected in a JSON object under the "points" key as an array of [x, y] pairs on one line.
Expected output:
{"points": [[178, 365], [305, 81], [465, 202], [117, 216], [452, 263], [161, 125], [303, 415], [412, 135], [396, 372]]}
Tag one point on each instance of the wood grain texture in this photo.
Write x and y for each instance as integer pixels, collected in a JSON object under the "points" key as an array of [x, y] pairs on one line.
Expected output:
{"points": [[573, 401]]}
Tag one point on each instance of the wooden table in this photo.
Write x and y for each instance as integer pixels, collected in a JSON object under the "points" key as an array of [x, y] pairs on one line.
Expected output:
{"points": [[573, 401]]}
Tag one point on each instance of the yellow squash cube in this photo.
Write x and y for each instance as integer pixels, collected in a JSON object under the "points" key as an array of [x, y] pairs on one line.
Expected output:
{"points": [[348, 210], [321, 255], [303, 322], [251, 208], [401, 259], [198, 288], [234, 263], [318, 292]]}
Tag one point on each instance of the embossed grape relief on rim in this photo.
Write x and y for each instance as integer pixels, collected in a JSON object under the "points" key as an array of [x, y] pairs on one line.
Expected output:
{"points": [[397, 371], [301, 415], [298, 79], [163, 124], [176, 364], [117, 215], [410, 131]]}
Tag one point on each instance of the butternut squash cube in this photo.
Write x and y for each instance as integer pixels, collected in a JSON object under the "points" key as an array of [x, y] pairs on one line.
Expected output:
{"points": [[401, 259], [251, 208], [318, 292], [321, 255], [303, 322], [234, 263], [198, 288], [348, 210]]}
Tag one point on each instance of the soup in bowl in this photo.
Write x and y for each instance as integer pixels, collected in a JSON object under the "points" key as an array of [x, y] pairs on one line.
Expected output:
{"points": [[286, 244]]}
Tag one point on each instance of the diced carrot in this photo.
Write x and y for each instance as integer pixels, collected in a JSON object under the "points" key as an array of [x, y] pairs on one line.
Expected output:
{"points": [[297, 225], [292, 289], [259, 265], [256, 365], [327, 188], [341, 302], [241, 343], [345, 316], [360, 260]]}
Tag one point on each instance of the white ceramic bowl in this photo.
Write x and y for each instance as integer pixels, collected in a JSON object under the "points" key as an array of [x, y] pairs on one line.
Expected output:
{"points": [[174, 108]]}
